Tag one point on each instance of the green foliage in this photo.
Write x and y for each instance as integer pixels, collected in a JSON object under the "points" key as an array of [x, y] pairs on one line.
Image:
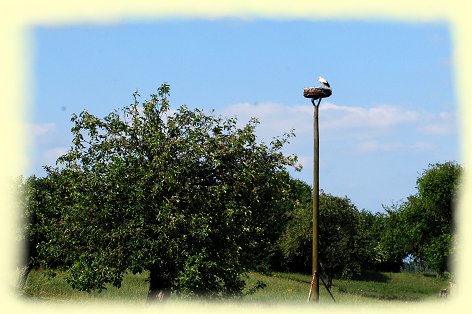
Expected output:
{"points": [[195, 201], [369, 232], [189, 197], [423, 226], [437, 252], [437, 190], [37, 213], [295, 241], [391, 248], [339, 236]]}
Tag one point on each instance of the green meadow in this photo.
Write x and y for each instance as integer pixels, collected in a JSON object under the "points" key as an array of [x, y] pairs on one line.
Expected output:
{"points": [[280, 288]]}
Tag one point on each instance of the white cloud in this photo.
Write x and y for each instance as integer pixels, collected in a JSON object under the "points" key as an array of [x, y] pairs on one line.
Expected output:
{"points": [[50, 156], [381, 116], [375, 146], [378, 146], [423, 146], [40, 129], [443, 123], [381, 128], [275, 118], [279, 118], [305, 160], [435, 129]]}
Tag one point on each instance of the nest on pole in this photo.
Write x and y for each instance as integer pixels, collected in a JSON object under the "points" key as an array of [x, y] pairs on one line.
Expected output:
{"points": [[316, 92]]}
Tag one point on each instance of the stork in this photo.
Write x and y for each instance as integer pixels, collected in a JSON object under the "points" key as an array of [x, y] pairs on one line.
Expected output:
{"points": [[323, 81]]}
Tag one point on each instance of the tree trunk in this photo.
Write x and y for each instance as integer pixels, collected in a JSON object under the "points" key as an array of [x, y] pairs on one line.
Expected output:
{"points": [[329, 281], [26, 263], [25, 270], [159, 287]]}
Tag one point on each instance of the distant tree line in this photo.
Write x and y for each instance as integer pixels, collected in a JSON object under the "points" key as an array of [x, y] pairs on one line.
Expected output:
{"points": [[353, 241], [197, 202]]}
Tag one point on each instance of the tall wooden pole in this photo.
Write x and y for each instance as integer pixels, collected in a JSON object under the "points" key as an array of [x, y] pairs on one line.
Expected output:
{"points": [[316, 93], [316, 203]]}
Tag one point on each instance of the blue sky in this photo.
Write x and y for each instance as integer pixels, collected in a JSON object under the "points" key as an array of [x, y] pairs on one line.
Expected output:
{"points": [[392, 112]]}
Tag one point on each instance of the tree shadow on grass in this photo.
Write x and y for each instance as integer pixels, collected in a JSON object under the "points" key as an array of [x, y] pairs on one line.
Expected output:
{"points": [[372, 276], [288, 277], [367, 276]]}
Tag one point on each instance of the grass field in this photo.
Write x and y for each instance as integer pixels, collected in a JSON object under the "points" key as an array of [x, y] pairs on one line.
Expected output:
{"points": [[280, 288]]}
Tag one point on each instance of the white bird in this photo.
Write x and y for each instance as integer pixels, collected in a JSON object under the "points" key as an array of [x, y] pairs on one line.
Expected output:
{"points": [[323, 81]]}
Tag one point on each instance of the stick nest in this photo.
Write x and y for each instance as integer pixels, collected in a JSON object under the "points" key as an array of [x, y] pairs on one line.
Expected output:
{"points": [[316, 92]]}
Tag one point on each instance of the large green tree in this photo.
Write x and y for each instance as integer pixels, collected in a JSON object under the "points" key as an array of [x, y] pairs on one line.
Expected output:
{"points": [[35, 196], [423, 226], [391, 249], [29, 191], [369, 233], [189, 197], [339, 251]]}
